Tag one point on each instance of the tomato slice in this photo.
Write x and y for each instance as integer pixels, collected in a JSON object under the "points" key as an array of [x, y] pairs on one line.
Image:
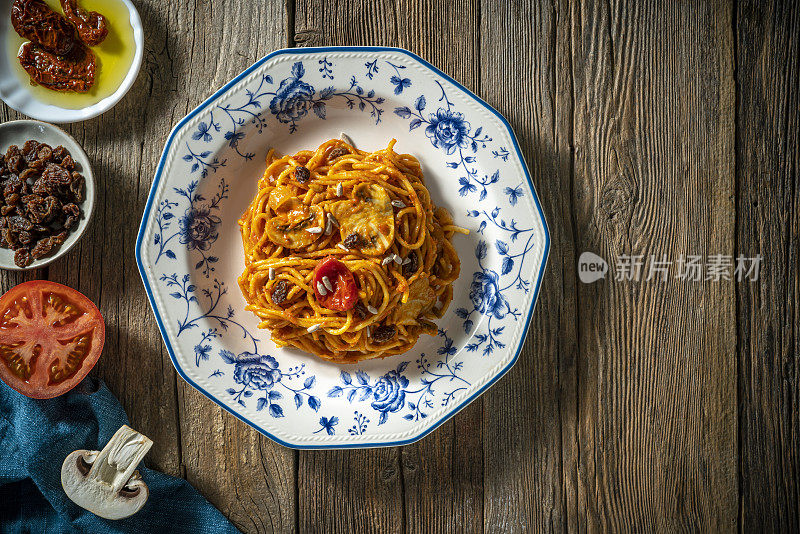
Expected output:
{"points": [[50, 338], [344, 294]]}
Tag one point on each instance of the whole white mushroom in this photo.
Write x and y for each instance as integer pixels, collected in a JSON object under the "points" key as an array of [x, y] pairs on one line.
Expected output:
{"points": [[106, 482]]}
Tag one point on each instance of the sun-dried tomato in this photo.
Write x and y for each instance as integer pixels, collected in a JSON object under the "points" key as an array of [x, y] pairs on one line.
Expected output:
{"points": [[35, 21], [91, 25], [73, 72]]}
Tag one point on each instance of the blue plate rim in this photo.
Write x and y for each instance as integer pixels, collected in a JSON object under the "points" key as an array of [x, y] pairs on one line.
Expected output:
{"points": [[157, 180]]}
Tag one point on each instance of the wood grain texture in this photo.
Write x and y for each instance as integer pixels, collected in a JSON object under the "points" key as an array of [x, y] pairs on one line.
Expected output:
{"points": [[525, 412], [653, 134], [767, 169], [649, 128]]}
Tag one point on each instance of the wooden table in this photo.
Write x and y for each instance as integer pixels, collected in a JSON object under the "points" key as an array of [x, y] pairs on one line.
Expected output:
{"points": [[649, 129]]}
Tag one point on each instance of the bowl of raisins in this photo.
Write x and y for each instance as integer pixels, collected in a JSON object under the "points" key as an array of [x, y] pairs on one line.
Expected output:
{"points": [[47, 194]]}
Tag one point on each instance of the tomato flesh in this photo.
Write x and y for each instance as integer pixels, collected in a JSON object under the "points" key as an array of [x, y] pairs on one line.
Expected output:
{"points": [[344, 294], [50, 338]]}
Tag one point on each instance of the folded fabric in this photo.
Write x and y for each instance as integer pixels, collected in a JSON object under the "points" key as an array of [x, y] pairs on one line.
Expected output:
{"points": [[36, 436]]}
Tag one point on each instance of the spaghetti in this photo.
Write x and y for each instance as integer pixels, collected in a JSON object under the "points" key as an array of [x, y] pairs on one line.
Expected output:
{"points": [[346, 256]]}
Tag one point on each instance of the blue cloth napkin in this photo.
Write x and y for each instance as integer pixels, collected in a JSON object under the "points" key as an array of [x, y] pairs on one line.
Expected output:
{"points": [[36, 436]]}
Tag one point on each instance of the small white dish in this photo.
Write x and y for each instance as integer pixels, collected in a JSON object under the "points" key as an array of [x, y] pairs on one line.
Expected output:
{"points": [[189, 248], [17, 93], [16, 133]]}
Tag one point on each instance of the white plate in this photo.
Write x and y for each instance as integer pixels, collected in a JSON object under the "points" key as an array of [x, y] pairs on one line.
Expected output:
{"points": [[16, 133], [18, 95], [190, 254]]}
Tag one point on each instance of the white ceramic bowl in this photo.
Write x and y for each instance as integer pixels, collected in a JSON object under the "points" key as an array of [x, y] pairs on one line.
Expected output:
{"points": [[19, 96], [16, 133]]}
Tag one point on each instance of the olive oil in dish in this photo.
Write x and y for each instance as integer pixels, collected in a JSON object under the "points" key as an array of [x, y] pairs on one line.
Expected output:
{"points": [[114, 56]]}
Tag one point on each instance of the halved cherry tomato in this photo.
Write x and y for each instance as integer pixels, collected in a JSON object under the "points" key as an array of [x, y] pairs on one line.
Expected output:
{"points": [[344, 294], [50, 338]]}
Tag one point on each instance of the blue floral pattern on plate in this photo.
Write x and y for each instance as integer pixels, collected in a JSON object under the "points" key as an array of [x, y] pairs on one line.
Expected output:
{"points": [[215, 156]]}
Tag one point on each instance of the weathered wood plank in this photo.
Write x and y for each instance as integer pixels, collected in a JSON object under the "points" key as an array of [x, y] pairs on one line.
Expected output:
{"points": [[441, 484], [654, 109], [525, 75], [103, 265], [247, 476], [767, 168]]}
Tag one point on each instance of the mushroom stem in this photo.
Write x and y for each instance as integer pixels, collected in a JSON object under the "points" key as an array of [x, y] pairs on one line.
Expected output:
{"points": [[117, 461]]}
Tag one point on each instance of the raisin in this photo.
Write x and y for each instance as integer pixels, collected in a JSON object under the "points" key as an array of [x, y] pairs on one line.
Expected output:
{"points": [[301, 174], [412, 266], [77, 187], [9, 238], [34, 192], [384, 333], [59, 153], [361, 311], [71, 209], [26, 238], [42, 210], [58, 175], [337, 152], [37, 165], [45, 153], [19, 224], [15, 164], [28, 173], [22, 257], [29, 150], [42, 248], [58, 239], [13, 151], [68, 163], [352, 241], [280, 292]]}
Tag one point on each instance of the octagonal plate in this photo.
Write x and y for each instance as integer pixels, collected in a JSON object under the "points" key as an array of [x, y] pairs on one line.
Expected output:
{"points": [[189, 250]]}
